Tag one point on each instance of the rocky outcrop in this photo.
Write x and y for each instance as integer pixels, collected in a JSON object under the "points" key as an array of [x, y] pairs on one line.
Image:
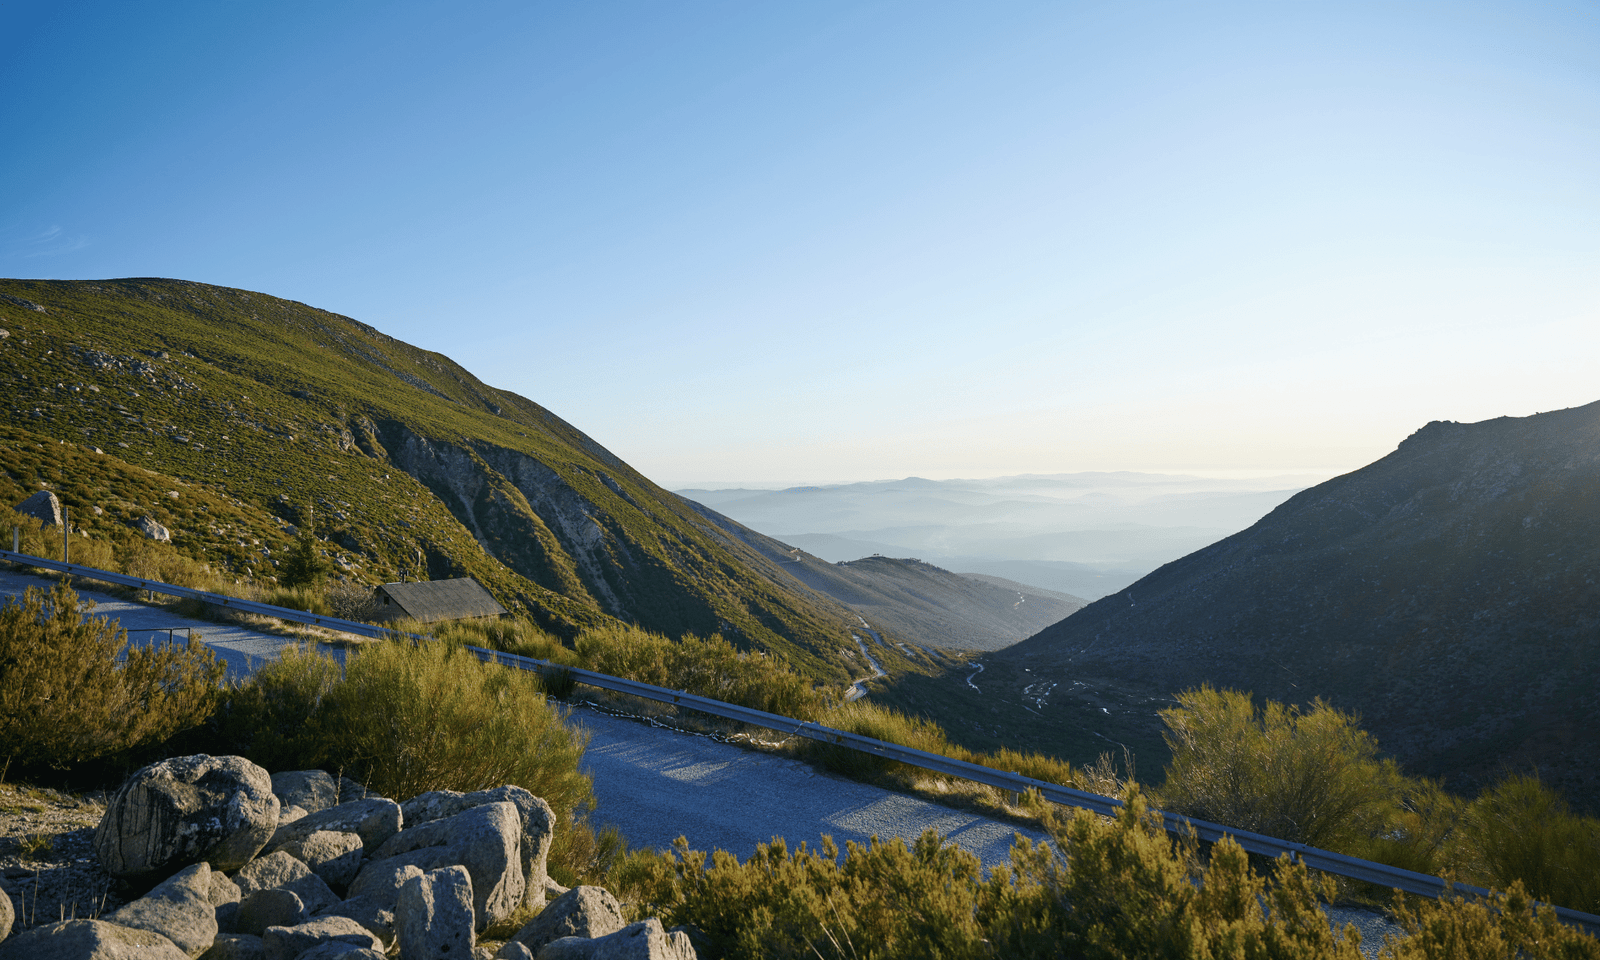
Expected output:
{"points": [[153, 530], [186, 810], [423, 891]]}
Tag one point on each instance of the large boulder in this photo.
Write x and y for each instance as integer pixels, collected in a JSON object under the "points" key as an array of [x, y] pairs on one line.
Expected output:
{"points": [[645, 940], [179, 909], [44, 506], [224, 896], [217, 810], [7, 914], [538, 825], [235, 946], [586, 912], [434, 916], [373, 912], [153, 530], [310, 790], [374, 820], [276, 907], [486, 839], [89, 940], [287, 943]]}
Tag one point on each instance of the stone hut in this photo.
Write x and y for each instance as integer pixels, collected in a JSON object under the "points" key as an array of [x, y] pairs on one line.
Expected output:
{"points": [[430, 601]]}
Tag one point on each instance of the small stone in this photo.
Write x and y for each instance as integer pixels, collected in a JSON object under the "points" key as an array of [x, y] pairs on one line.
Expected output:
{"points": [[645, 940]]}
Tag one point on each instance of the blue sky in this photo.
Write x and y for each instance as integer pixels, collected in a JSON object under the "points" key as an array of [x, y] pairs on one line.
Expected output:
{"points": [[837, 241]]}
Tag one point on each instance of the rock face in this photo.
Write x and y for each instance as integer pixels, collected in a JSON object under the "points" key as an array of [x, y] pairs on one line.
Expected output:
{"points": [[89, 940], [434, 916], [584, 912], [186, 810], [43, 505], [179, 909]]}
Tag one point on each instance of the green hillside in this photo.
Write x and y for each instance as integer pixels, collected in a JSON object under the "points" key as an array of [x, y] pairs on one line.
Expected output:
{"points": [[258, 411]]}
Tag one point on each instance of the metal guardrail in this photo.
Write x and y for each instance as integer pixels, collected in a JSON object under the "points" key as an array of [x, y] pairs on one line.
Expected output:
{"points": [[1325, 861], [219, 599]]}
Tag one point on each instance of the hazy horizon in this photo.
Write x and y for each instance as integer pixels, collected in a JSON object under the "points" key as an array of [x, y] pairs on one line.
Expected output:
{"points": [[863, 239]]}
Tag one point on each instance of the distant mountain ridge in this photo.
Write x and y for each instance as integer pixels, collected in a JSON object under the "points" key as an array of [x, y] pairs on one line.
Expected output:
{"points": [[1449, 593]]}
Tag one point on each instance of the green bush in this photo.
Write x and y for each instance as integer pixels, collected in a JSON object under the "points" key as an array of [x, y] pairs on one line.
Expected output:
{"points": [[1310, 777], [404, 719], [65, 698], [879, 723], [307, 598], [1505, 926], [1520, 831], [303, 566], [1102, 889]]}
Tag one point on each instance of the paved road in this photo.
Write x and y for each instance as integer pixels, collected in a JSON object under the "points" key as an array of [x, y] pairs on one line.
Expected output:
{"points": [[656, 784], [238, 646]]}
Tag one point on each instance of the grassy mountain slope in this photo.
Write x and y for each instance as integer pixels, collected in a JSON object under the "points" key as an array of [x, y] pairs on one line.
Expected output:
{"points": [[1449, 593], [408, 462]]}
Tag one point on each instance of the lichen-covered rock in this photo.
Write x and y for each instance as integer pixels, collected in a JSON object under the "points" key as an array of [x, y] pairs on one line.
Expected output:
{"points": [[217, 810], [538, 825], [334, 856], [7, 915], [287, 943], [179, 909], [486, 839], [153, 530], [586, 912], [311, 790], [645, 940], [433, 917], [89, 940], [374, 820], [281, 871], [374, 912]]}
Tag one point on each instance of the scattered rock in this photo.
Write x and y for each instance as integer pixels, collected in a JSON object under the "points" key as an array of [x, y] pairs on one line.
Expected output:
{"points": [[434, 916], [514, 951], [374, 912], [44, 505], [586, 912], [276, 907], [644, 940], [153, 530], [186, 810], [179, 909], [89, 940]]}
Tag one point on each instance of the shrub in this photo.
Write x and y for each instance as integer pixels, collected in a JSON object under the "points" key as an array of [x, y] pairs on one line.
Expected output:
{"points": [[65, 698], [307, 598], [1309, 777], [1501, 927], [879, 723], [1521, 831], [404, 719], [1104, 888], [303, 566]]}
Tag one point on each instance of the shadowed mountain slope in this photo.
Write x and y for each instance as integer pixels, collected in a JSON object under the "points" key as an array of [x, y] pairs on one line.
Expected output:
{"points": [[407, 462], [1449, 593]]}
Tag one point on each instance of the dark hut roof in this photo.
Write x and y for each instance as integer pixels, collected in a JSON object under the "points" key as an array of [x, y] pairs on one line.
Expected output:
{"points": [[433, 600]]}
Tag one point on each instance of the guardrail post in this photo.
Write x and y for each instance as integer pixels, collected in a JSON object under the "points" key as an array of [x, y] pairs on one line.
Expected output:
{"points": [[66, 535], [16, 538]]}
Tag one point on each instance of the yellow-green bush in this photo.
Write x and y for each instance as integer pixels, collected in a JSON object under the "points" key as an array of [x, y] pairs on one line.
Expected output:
{"points": [[65, 698], [277, 716], [1505, 926], [1520, 830], [1310, 777], [1103, 889], [879, 723]]}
